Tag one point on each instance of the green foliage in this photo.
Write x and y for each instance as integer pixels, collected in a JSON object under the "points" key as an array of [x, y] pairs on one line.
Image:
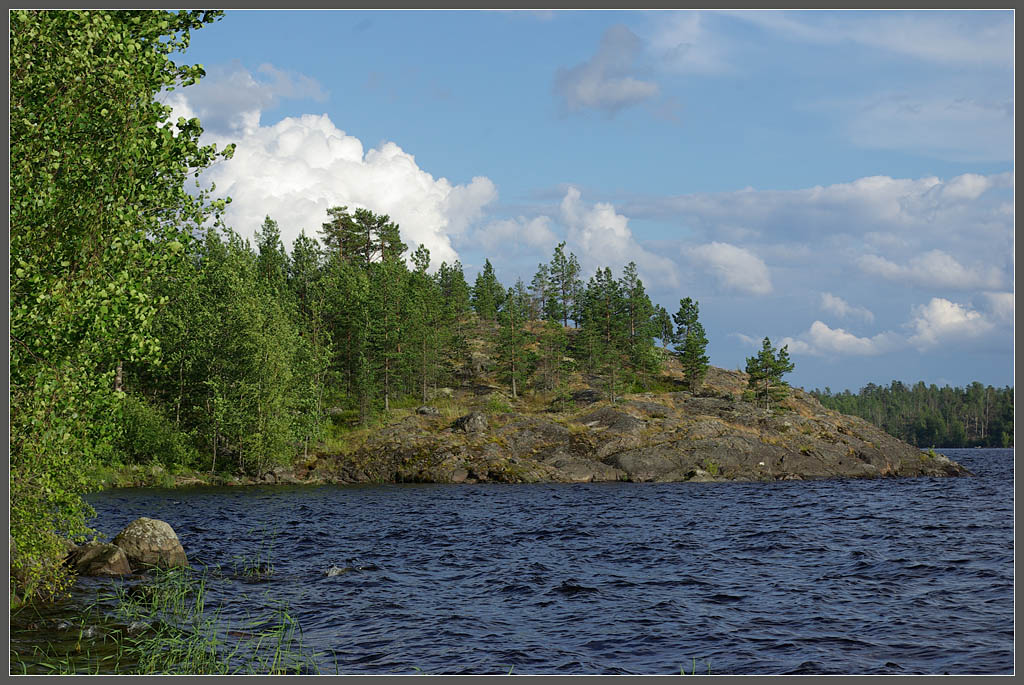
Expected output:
{"points": [[496, 404], [488, 294], [661, 323], [926, 415], [552, 365], [94, 163], [182, 635], [149, 436], [765, 372], [691, 343], [566, 287], [644, 362], [604, 340], [514, 358]]}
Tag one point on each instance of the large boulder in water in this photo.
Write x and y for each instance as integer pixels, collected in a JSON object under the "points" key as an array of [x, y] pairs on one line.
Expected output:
{"points": [[99, 559], [151, 542]]}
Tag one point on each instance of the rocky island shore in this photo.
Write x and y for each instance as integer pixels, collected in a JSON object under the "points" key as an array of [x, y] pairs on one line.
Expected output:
{"points": [[714, 435]]}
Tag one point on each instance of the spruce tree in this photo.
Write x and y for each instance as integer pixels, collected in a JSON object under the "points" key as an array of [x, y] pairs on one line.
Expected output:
{"points": [[273, 260]]}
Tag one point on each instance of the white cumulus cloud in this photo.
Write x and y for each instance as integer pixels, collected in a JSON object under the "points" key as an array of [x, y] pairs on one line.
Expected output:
{"points": [[840, 307], [296, 169], [941, 321], [507, 234], [604, 238], [735, 268], [820, 339]]}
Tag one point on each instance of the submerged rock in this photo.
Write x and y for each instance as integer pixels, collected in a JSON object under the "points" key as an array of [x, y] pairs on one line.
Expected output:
{"points": [[151, 542]]}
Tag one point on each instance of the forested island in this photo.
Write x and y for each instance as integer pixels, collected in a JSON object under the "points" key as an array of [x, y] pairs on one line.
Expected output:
{"points": [[147, 336], [929, 416]]}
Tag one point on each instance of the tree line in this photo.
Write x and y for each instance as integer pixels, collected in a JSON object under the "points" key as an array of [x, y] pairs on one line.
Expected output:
{"points": [[257, 341], [929, 416]]}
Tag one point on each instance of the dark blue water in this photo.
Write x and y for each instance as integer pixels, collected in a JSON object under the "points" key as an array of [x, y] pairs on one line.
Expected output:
{"points": [[862, 577]]}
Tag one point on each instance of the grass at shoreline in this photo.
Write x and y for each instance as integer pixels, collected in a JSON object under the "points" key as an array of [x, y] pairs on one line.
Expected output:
{"points": [[164, 626]]}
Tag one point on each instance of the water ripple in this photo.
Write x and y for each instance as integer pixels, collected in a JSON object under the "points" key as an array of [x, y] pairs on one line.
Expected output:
{"points": [[814, 577]]}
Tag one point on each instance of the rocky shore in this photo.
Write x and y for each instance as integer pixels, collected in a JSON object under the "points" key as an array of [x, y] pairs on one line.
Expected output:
{"points": [[712, 436]]}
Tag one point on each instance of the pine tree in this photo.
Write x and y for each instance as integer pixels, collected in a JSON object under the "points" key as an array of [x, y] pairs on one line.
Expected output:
{"points": [[455, 296], [361, 236], [386, 327], [455, 290], [513, 338], [693, 358], [605, 329], [488, 293], [568, 288], [426, 326], [540, 291], [766, 370], [691, 343], [684, 318], [639, 310], [552, 364], [662, 325]]}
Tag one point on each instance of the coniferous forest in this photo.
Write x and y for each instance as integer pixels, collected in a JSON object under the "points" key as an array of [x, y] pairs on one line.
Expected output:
{"points": [[929, 416]]}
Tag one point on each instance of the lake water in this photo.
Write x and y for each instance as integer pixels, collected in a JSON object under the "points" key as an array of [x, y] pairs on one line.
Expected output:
{"points": [[897, 576]]}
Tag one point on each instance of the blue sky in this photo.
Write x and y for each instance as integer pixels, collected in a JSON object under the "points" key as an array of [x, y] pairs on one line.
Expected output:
{"points": [[839, 181]]}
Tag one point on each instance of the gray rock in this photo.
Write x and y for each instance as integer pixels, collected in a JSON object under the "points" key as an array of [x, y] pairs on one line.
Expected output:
{"points": [[700, 476], [613, 420], [586, 396], [283, 474], [474, 422], [428, 411], [100, 559], [151, 542]]}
